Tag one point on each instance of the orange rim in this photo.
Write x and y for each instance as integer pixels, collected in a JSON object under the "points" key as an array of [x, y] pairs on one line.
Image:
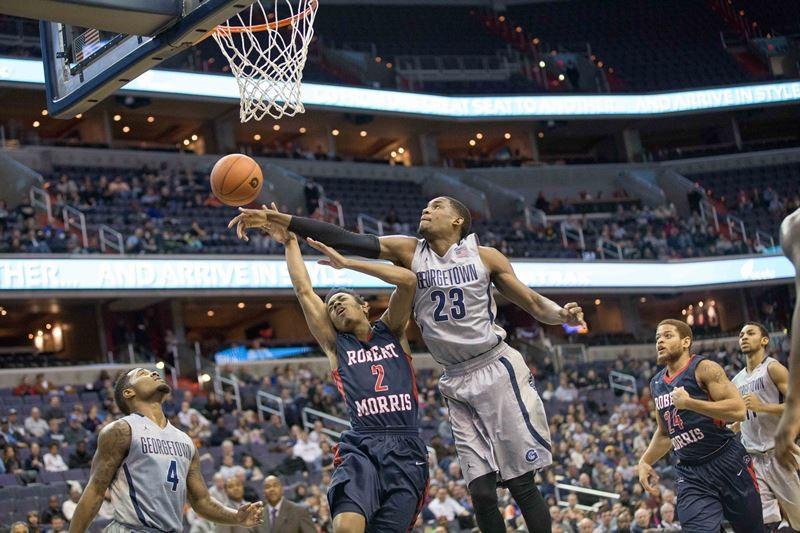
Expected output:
{"points": [[312, 6]]}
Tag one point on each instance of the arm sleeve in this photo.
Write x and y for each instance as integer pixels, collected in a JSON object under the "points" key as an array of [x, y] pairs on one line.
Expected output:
{"points": [[344, 241]]}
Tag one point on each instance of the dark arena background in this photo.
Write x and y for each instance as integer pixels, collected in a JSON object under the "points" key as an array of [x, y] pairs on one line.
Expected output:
{"points": [[634, 156]]}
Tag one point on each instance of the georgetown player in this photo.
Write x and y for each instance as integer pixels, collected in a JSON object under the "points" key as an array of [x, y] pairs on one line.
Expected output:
{"points": [[786, 449], [694, 398], [151, 466], [381, 474], [498, 420], [763, 386]]}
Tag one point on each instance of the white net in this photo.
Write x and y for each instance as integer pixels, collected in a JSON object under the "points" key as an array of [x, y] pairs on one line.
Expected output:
{"points": [[267, 46]]}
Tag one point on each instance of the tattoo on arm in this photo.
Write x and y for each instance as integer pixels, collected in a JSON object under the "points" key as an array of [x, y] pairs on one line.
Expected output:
{"points": [[202, 502]]}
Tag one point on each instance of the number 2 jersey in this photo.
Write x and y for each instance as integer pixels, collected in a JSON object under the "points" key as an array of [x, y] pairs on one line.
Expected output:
{"points": [[376, 379], [149, 490], [694, 436], [453, 305]]}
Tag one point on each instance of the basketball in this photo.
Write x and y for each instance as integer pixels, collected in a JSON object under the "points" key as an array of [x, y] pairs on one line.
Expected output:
{"points": [[236, 180]]}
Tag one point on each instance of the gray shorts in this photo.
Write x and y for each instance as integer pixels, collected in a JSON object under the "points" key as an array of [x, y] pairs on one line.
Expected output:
{"points": [[498, 419]]}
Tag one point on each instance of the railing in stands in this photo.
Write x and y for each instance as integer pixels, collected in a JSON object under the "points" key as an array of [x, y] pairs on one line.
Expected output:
{"points": [[312, 415], [220, 380], [41, 200], [573, 352], [600, 494], [262, 406], [610, 249], [368, 224], [570, 234], [76, 219], [331, 209], [111, 238], [709, 213], [764, 239], [736, 224], [623, 382]]}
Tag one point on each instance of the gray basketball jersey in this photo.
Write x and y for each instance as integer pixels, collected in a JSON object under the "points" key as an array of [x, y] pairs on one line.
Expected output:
{"points": [[758, 429], [453, 305], [149, 490]]}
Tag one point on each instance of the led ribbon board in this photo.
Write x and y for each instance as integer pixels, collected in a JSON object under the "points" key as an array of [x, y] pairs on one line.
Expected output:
{"points": [[192, 273], [456, 107]]}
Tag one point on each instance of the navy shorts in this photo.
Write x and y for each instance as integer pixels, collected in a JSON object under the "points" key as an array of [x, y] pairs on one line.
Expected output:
{"points": [[723, 487], [382, 475]]}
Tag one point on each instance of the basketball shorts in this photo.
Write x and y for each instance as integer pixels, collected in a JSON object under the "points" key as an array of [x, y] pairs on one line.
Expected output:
{"points": [[724, 487], [780, 489], [119, 527], [381, 475], [498, 420]]}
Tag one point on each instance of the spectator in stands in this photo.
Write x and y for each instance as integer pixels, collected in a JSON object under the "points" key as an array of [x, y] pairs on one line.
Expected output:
{"points": [[308, 451], [42, 386], [229, 467], [445, 508], [185, 416], [58, 524], [19, 527], [54, 409], [24, 388], [119, 187], [34, 462], [197, 431], [75, 432], [566, 391], [33, 522], [290, 464], [54, 433], [234, 497], [53, 509], [7, 436], [68, 507], [668, 518], [80, 458], [93, 419], [217, 488], [280, 514], [11, 461], [275, 431], [641, 520], [53, 462], [220, 433], [35, 425], [228, 402]]}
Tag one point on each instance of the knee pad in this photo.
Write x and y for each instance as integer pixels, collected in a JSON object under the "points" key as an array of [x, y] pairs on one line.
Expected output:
{"points": [[483, 491]]}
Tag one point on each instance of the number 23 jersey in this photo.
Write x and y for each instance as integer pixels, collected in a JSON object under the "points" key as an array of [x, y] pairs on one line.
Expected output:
{"points": [[694, 436], [453, 305]]}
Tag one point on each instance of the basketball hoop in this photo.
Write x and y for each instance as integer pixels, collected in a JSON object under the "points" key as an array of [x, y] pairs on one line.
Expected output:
{"points": [[266, 51]]}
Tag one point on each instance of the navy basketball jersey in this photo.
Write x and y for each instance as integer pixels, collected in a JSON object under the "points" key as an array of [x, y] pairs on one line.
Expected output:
{"points": [[376, 380], [694, 436]]}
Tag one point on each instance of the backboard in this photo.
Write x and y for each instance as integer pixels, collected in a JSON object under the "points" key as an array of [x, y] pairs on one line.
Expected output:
{"points": [[91, 48]]}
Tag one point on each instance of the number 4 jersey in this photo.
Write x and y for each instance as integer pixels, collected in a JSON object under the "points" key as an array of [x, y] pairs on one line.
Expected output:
{"points": [[694, 436], [149, 490], [376, 379], [453, 305]]}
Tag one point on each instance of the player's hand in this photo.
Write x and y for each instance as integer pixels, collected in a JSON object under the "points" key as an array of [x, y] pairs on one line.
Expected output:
{"points": [[679, 397], [250, 514], [334, 260], [266, 218], [572, 315], [648, 478], [278, 232], [752, 402], [786, 449], [736, 427]]}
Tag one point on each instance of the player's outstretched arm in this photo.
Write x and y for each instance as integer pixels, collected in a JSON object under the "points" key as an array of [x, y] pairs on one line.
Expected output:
{"points": [[541, 308], [400, 303], [247, 515], [396, 248], [313, 307], [659, 446], [725, 404], [786, 448], [112, 448]]}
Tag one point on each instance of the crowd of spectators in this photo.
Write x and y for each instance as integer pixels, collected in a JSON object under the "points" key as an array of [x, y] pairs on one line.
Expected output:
{"points": [[598, 435]]}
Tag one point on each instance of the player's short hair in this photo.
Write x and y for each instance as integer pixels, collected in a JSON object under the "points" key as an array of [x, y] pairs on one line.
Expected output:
{"points": [[463, 212], [761, 327], [683, 328], [123, 382], [337, 290]]}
